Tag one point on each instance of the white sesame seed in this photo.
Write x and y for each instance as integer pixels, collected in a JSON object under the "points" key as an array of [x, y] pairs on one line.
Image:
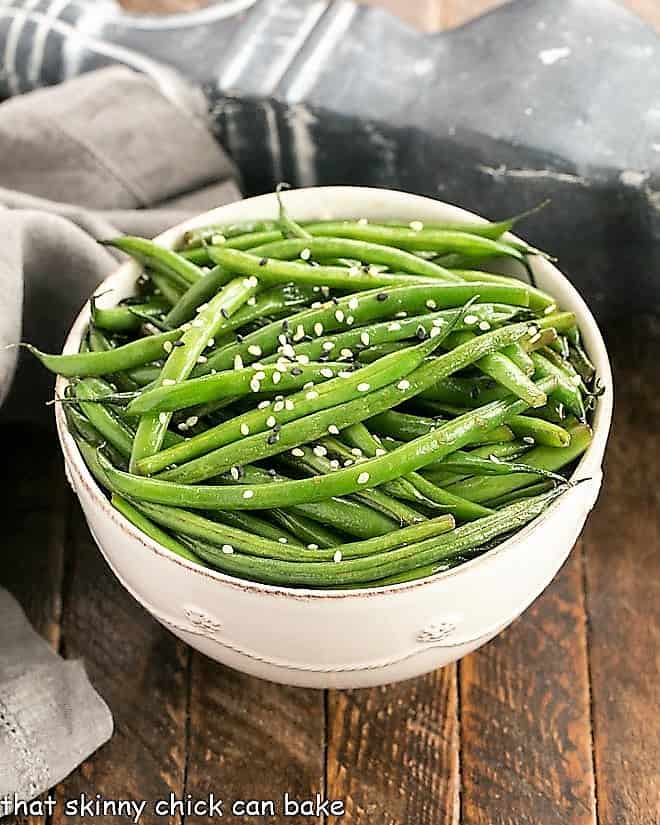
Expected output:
{"points": [[306, 254], [202, 359], [168, 382], [316, 304], [238, 363], [439, 322], [255, 386], [333, 429], [356, 451], [349, 320], [262, 405], [431, 304], [167, 346], [192, 420], [363, 222], [535, 338], [416, 226], [402, 314], [353, 303], [308, 385], [318, 329], [363, 387], [288, 351], [289, 405], [394, 327], [251, 301], [270, 421], [484, 326], [312, 395], [303, 359], [228, 549], [163, 418], [470, 320], [297, 452], [404, 385], [326, 372], [528, 439], [533, 329], [328, 345], [348, 462], [276, 377], [218, 240], [210, 342], [283, 540], [363, 478], [337, 556], [364, 338], [380, 451], [235, 473], [245, 430], [346, 353], [260, 375], [248, 494], [182, 426], [550, 309], [312, 546], [434, 332], [282, 339], [320, 451], [278, 406], [339, 315], [254, 349], [334, 464], [201, 308]]}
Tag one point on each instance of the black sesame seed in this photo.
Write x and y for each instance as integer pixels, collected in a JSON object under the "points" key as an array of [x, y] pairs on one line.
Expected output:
{"points": [[285, 325], [241, 472], [263, 262], [239, 338], [335, 300], [382, 296], [273, 438], [178, 344], [420, 332], [224, 313], [296, 371]]}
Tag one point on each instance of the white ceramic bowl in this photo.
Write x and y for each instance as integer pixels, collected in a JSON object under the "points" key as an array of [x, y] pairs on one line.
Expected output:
{"points": [[343, 638]]}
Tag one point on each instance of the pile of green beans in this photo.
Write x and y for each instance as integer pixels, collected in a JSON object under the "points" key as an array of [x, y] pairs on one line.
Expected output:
{"points": [[333, 404]]}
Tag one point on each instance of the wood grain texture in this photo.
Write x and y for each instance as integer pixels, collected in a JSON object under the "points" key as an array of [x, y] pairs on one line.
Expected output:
{"points": [[393, 752], [623, 587], [251, 739], [525, 716], [140, 670]]}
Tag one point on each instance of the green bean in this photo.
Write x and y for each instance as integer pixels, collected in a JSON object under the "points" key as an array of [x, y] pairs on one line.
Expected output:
{"points": [[102, 419], [566, 392], [271, 270], [539, 301], [346, 571], [181, 360], [358, 310], [162, 260], [257, 526], [377, 499], [135, 354], [503, 370], [309, 531], [230, 384], [325, 396], [198, 293], [320, 411], [435, 240], [99, 343], [525, 492], [197, 237], [422, 489], [123, 318], [136, 518], [170, 292], [82, 429], [366, 253], [446, 439], [543, 432], [484, 489]]}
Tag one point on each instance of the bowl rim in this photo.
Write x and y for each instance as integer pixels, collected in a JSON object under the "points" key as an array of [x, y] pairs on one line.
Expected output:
{"points": [[589, 466]]}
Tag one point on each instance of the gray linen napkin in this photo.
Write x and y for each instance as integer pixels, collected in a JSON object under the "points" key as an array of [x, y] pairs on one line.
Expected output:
{"points": [[102, 154]]}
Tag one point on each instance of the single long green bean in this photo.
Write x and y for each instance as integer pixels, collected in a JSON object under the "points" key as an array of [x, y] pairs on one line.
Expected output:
{"points": [[157, 257]]}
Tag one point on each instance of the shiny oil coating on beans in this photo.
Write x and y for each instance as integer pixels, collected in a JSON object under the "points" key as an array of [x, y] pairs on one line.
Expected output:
{"points": [[331, 404]]}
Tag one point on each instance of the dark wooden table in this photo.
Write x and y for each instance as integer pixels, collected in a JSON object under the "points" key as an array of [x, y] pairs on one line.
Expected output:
{"points": [[556, 722]]}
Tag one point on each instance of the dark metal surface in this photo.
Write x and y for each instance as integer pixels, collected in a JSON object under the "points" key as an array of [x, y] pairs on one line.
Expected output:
{"points": [[540, 98]]}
